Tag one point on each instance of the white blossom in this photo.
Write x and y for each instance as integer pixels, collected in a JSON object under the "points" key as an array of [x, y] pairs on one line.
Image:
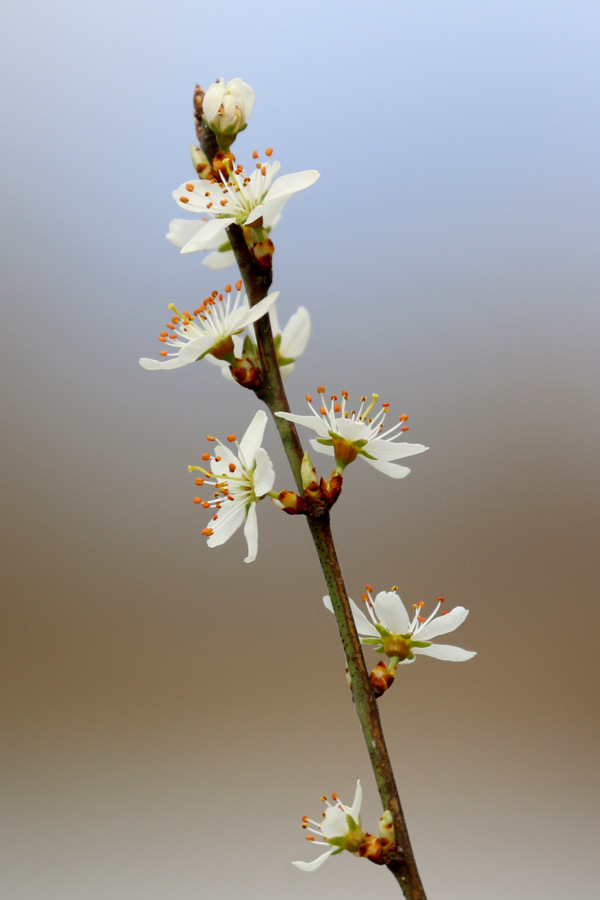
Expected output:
{"points": [[227, 106], [340, 829], [390, 630], [209, 330], [240, 480], [346, 435], [255, 199]]}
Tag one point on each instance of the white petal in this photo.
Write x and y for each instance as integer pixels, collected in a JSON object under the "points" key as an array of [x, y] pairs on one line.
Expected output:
{"points": [[211, 232], [443, 624], [352, 430], [322, 448], [220, 259], [295, 335], [327, 603], [391, 612], [445, 652], [317, 424], [252, 439], [251, 533], [183, 230], [393, 470], [355, 808], [389, 450], [197, 347], [311, 866], [259, 309], [264, 473], [286, 185], [173, 362], [227, 523], [212, 99], [364, 626]]}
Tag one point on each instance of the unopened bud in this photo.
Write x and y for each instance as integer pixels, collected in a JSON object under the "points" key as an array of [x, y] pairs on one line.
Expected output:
{"points": [[263, 251], [332, 489], [247, 374], [310, 479], [372, 849], [226, 109], [381, 678], [386, 826], [200, 162], [292, 503]]}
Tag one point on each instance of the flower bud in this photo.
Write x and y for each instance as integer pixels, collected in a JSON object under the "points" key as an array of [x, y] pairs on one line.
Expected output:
{"points": [[372, 849], [310, 479], [226, 109], [386, 826], [200, 162], [292, 503], [246, 373], [382, 678]]}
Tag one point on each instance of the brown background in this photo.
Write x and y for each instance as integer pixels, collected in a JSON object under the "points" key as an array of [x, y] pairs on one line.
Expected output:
{"points": [[171, 712]]}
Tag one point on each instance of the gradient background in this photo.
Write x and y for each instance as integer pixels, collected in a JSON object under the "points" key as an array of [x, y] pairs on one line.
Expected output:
{"points": [[169, 711]]}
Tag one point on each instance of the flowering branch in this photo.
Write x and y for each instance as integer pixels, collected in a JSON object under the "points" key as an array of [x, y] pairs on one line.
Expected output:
{"points": [[238, 211]]}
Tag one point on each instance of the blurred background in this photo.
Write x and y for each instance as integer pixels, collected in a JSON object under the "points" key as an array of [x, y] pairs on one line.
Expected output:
{"points": [[169, 711]]}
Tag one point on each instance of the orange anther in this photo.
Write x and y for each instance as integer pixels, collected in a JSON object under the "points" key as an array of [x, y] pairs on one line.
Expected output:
{"points": [[163, 353], [334, 796], [269, 151], [255, 154], [206, 504], [231, 438], [207, 532], [321, 389], [323, 411], [308, 397], [197, 499], [199, 481], [405, 428], [441, 600], [227, 288], [369, 588], [184, 199], [189, 187], [403, 418], [337, 407], [209, 437], [238, 285], [323, 798], [232, 467], [205, 456], [263, 170]]}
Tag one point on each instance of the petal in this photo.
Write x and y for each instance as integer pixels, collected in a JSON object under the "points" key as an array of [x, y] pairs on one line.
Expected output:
{"points": [[295, 335], [445, 652], [264, 473], [442, 624], [393, 470], [227, 523], [364, 626], [391, 612], [220, 259], [322, 448], [246, 93], [251, 533], [212, 99], [317, 424], [183, 230], [355, 808], [311, 866], [252, 439], [206, 237], [174, 362], [382, 449], [286, 185], [251, 314], [196, 348]]}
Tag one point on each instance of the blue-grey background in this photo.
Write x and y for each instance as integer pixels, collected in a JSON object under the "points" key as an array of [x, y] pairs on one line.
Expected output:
{"points": [[171, 712]]}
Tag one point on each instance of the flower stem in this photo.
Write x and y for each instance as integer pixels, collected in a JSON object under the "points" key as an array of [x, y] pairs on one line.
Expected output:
{"points": [[401, 863]]}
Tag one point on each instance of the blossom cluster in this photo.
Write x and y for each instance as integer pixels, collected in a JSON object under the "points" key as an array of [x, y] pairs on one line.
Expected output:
{"points": [[236, 205]]}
